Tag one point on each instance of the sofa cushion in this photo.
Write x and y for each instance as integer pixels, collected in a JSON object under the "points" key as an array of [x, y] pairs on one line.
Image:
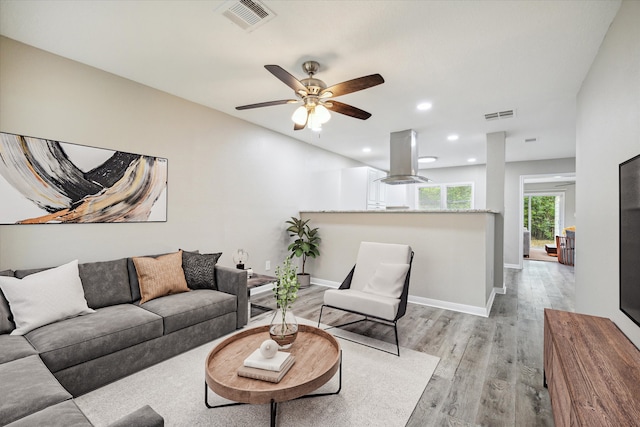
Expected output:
{"points": [[14, 347], [109, 329], [199, 269], [160, 276], [190, 308], [6, 319], [105, 283], [21, 274], [45, 297], [64, 414], [27, 386], [363, 302]]}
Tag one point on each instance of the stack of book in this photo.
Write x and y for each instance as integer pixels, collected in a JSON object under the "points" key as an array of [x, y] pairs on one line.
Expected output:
{"points": [[260, 368]]}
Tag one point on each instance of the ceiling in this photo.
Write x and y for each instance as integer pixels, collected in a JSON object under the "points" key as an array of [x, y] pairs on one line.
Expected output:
{"points": [[467, 58]]}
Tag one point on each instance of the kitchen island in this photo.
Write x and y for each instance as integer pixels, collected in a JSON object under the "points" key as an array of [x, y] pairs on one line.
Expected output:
{"points": [[454, 252]]}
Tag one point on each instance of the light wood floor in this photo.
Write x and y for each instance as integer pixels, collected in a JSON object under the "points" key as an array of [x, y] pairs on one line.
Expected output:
{"points": [[490, 370]]}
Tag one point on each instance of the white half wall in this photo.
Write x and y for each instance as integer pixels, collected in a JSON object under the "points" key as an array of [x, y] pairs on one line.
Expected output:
{"points": [[608, 133], [231, 184]]}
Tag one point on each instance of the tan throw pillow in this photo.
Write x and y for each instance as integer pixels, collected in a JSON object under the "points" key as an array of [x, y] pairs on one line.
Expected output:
{"points": [[160, 276]]}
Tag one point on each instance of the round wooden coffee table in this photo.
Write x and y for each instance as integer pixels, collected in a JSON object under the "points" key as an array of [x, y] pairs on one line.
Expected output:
{"points": [[317, 359]]}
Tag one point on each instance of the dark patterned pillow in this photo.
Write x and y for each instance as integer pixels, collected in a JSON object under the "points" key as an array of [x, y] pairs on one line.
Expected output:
{"points": [[199, 269]]}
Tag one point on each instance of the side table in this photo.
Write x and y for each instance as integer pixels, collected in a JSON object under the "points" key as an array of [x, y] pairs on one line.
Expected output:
{"points": [[318, 358], [253, 282]]}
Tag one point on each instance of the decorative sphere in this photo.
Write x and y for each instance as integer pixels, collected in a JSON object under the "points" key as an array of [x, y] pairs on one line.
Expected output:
{"points": [[268, 349]]}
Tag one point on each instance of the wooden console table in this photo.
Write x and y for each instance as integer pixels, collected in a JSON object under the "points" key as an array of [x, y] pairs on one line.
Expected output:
{"points": [[592, 371]]}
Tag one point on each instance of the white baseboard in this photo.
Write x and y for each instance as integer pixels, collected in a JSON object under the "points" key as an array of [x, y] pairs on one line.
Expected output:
{"points": [[462, 308], [453, 306], [502, 290], [261, 289], [513, 266], [327, 283]]}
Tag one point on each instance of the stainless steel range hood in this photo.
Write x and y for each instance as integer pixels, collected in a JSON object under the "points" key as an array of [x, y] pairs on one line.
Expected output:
{"points": [[404, 159]]}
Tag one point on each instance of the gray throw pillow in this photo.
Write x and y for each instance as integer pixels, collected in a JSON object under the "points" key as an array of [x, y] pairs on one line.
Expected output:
{"points": [[199, 269], [6, 318]]}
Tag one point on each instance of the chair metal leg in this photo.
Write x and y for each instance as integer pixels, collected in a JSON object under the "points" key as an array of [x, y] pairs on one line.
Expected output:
{"points": [[320, 318], [366, 318], [395, 329]]}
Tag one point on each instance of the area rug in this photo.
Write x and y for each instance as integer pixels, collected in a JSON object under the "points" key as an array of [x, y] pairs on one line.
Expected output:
{"points": [[539, 254], [378, 389]]}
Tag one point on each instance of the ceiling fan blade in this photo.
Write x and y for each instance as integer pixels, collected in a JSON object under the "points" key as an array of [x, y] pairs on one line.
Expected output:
{"points": [[267, 104], [286, 78], [354, 85], [347, 110]]}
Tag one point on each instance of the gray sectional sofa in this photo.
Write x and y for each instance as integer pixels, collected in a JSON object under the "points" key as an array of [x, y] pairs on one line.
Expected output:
{"points": [[41, 371]]}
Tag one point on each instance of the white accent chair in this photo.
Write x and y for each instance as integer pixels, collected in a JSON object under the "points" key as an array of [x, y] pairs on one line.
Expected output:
{"points": [[377, 286]]}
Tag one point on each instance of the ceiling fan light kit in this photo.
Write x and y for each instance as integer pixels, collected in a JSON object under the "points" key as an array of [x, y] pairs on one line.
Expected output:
{"points": [[316, 96]]}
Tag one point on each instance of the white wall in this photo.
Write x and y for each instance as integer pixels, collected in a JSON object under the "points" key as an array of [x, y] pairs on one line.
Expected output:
{"points": [[608, 133], [514, 170], [473, 173], [231, 184]]}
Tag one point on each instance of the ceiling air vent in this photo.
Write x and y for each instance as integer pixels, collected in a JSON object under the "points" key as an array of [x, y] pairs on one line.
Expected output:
{"points": [[247, 14], [507, 114], [527, 140]]}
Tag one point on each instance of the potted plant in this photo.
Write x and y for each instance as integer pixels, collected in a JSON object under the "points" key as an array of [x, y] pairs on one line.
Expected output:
{"points": [[305, 245], [284, 327]]}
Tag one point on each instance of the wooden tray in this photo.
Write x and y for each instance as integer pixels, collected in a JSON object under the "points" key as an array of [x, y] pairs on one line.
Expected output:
{"points": [[317, 360]]}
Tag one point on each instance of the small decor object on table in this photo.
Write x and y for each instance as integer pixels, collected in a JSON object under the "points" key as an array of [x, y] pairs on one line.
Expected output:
{"points": [[305, 245], [284, 327], [240, 258], [268, 349]]}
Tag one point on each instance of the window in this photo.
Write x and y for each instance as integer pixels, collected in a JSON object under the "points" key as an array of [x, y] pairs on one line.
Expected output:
{"points": [[445, 197]]}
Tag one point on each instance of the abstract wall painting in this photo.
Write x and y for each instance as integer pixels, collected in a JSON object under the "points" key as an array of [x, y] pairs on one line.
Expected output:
{"points": [[44, 181]]}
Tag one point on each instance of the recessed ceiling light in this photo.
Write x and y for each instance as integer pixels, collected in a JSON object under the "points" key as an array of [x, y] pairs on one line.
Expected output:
{"points": [[366, 150], [427, 159], [471, 160], [453, 137], [423, 106]]}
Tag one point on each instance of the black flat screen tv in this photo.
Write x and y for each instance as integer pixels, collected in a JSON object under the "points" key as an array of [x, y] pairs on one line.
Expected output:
{"points": [[630, 238]]}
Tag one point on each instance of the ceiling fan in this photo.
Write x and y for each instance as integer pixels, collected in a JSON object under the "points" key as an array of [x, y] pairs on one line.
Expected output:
{"points": [[316, 97]]}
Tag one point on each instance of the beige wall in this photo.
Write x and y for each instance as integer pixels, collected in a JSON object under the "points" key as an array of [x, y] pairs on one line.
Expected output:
{"points": [[608, 133], [231, 184], [453, 263]]}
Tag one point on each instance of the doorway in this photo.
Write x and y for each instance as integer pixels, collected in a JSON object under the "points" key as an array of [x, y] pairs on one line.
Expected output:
{"points": [[562, 184], [543, 217]]}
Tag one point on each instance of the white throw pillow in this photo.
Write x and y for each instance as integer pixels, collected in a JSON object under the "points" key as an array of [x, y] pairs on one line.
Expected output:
{"points": [[45, 297], [388, 280]]}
